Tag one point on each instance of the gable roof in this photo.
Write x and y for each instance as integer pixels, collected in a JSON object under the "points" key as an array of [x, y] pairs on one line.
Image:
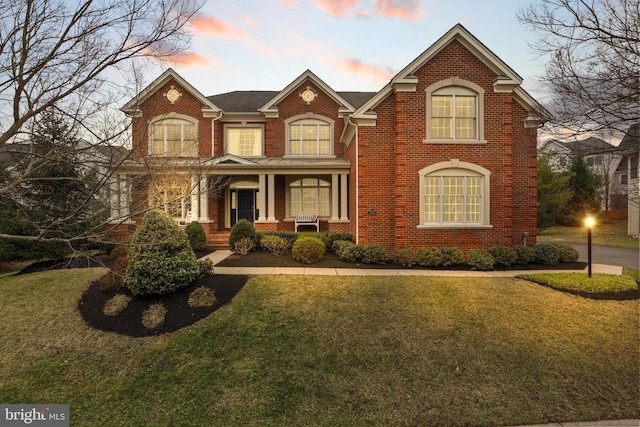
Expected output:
{"points": [[507, 81], [133, 106], [631, 140], [271, 107], [585, 147]]}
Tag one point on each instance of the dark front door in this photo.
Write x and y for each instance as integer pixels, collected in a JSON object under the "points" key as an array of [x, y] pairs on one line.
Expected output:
{"points": [[246, 200]]}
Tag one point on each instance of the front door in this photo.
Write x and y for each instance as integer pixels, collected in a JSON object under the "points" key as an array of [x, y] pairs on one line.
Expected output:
{"points": [[243, 205]]}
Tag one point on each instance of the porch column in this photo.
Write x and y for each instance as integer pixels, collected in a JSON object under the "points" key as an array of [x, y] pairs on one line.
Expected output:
{"points": [[334, 197], [195, 198], [344, 202], [204, 199], [262, 188], [272, 198]]}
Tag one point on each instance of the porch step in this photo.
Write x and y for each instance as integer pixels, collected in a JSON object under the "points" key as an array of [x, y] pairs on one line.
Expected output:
{"points": [[218, 240]]}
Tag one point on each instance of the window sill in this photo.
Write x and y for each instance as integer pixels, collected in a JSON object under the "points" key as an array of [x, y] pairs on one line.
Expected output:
{"points": [[455, 141], [455, 227]]}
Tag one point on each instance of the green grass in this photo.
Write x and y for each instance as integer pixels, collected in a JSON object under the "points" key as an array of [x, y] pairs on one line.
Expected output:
{"points": [[610, 233], [598, 283], [327, 351]]}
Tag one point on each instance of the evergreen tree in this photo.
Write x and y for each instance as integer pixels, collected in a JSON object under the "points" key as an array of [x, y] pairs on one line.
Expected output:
{"points": [[553, 193], [584, 184]]}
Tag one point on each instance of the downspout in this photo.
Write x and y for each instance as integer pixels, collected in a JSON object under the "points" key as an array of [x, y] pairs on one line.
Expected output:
{"points": [[357, 213]]}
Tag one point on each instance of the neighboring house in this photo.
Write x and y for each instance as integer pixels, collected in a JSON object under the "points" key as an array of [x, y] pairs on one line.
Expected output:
{"points": [[630, 148], [443, 155], [604, 160]]}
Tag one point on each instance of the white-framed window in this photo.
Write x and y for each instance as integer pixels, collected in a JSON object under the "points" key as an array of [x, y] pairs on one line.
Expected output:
{"points": [[455, 112], [246, 141], [309, 135], [310, 194], [173, 137], [454, 194], [172, 195]]}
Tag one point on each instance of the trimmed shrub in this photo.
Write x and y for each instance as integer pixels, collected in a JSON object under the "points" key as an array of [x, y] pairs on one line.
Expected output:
{"points": [[275, 244], [196, 235], [347, 251], [242, 229], [206, 267], [429, 257], [316, 235], [452, 256], [567, 253], [244, 245], [202, 297], [308, 250], [479, 259], [406, 257], [503, 255], [161, 260], [547, 253], [118, 251], [334, 237], [373, 254], [524, 254]]}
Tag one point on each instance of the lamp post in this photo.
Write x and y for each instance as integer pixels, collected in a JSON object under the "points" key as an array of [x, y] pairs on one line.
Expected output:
{"points": [[589, 222]]}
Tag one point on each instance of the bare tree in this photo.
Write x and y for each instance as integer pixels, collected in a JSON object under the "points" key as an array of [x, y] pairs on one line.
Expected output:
{"points": [[594, 60], [81, 58]]}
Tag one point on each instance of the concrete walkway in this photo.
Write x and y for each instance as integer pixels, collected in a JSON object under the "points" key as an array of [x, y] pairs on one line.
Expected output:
{"points": [[220, 255]]}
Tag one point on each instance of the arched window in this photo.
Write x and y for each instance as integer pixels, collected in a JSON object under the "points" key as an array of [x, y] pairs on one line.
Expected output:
{"points": [[454, 194], [175, 135], [455, 112], [310, 194], [309, 135]]}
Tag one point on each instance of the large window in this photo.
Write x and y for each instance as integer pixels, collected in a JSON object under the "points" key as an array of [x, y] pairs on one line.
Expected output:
{"points": [[309, 136], [454, 194], [171, 195], [310, 194], [244, 141], [173, 137], [455, 110]]}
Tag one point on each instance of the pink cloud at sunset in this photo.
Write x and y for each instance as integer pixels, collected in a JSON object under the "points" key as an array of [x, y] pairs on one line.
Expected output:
{"points": [[336, 8], [378, 75], [187, 59], [405, 9], [213, 26]]}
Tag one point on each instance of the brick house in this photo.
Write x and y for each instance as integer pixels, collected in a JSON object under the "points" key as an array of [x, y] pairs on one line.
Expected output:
{"points": [[443, 155]]}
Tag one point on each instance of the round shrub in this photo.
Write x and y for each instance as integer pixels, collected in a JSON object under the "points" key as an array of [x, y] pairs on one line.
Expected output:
{"points": [[308, 250], [503, 255], [547, 253], [316, 235], [196, 235], [242, 229], [347, 251], [567, 253], [373, 254], [524, 254], [160, 258], [429, 257], [335, 236], [479, 259], [406, 257], [452, 256]]}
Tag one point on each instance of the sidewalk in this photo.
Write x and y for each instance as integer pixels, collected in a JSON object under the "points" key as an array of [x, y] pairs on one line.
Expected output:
{"points": [[220, 255]]}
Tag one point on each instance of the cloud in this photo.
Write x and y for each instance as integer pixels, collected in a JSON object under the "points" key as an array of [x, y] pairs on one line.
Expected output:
{"points": [[405, 9], [336, 8], [187, 59], [378, 75], [213, 26], [290, 3]]}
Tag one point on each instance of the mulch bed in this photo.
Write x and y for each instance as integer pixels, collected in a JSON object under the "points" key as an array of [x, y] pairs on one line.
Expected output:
{"points": [[179, 314], [225, 287]]}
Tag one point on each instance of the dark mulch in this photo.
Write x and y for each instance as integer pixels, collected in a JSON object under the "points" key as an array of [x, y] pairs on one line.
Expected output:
{"points": [[179, 314], [330, 260]]}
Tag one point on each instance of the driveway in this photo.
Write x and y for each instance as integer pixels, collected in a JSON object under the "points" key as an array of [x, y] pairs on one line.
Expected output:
{"points": [[611, 256]]}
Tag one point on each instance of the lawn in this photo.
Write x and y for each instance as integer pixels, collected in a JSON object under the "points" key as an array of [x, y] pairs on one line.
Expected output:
{"points": [[316, 350], [609, 233]]}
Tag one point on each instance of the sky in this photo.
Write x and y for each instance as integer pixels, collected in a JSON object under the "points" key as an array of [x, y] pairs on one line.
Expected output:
{"points": [[352, 45]]}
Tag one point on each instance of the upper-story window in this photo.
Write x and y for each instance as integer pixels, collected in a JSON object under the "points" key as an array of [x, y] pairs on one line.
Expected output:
{"points": [[173, 137], [244, 141], [455, 112], [309, 135]]}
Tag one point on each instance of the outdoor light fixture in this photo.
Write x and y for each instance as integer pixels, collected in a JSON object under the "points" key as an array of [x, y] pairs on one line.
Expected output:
{"points": [[589, 222]]}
